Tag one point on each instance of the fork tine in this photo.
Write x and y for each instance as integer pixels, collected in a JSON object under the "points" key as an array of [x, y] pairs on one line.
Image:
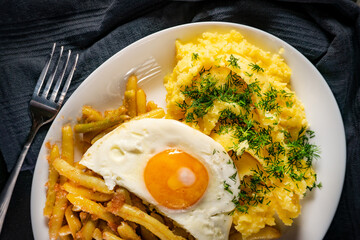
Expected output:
{"points": [[52, 76], [59, 81], [147, 70], [68, 81], [44, 72]]}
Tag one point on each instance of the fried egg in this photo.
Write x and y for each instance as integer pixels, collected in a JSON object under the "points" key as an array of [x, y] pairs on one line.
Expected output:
{"points": [[182, 172]]}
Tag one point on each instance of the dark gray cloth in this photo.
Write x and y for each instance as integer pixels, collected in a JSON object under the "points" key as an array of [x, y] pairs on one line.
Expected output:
{"points": [[325, 31]]}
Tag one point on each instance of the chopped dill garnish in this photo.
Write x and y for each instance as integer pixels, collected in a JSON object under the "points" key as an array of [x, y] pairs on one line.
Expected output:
{"points": [[194, 56], [289, 104], [233, 78], [227, 187], [269, 102], [256, 67], [233, 61], [190, 117], [315, 185], [248, 74], [255, 88], [301, 149], [204, 94], [233, 177]]}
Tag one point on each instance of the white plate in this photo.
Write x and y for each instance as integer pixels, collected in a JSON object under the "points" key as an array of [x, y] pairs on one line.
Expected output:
{"points": [[103, 88]]}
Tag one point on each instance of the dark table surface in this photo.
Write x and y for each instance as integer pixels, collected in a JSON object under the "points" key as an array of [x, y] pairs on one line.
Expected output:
{"points": [[327, 32]]}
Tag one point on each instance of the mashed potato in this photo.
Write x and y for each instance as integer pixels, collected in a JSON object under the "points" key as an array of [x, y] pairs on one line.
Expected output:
{"points": [[240, 95]]}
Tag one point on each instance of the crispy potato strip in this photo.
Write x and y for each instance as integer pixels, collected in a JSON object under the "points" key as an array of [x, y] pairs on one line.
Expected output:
{"points": [[127, 232], [130, 95], [87, 231], [67, 144], [140, 102], [64, 231], [97, 234], [91, 207], [156, 113], [52, 181], [79, 177], [58, 213], [72, 220], [118, 207], [90, 114], [87, 193]]}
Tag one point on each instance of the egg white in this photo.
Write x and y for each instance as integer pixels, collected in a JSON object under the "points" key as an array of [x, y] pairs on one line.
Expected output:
{"points": [[122, 155]]}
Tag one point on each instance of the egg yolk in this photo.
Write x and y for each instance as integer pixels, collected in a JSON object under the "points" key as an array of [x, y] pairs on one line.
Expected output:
{"points": [[175, 179]]}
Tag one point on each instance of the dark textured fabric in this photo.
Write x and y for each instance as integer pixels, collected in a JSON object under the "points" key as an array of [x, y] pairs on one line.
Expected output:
{"points": [[327, 32]]}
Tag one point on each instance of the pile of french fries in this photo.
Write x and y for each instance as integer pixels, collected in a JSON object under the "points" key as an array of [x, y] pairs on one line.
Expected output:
{"points": [[78, 203]]}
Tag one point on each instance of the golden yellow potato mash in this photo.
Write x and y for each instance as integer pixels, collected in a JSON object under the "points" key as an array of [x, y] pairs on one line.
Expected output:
{"points": [[240, 95]]}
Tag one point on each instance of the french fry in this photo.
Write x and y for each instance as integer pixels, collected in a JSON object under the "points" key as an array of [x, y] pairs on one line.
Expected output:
{"points": [[133, 214], [130, 96], [90, 114], [157, 113], [100, 125], [140, 102], [64, 230], [67, 144], [77, 176], [97, 234], [132, 83], [58, 213], [92, 208], [52, 180], [130, 102], [73, 221], [76, 209], [119, 111], [87, 193], [110, 236], [127, 232], [151, 105], [87, 231]]}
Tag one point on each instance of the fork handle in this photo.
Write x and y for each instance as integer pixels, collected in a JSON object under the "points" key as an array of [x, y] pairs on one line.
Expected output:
{"points": [[7, 191]]}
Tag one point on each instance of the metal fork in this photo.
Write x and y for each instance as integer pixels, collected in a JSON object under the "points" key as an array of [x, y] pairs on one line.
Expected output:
{"points": [[43, 109]]}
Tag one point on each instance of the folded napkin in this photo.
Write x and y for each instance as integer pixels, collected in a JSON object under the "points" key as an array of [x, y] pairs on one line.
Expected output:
{"points": [[327, 32]]}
